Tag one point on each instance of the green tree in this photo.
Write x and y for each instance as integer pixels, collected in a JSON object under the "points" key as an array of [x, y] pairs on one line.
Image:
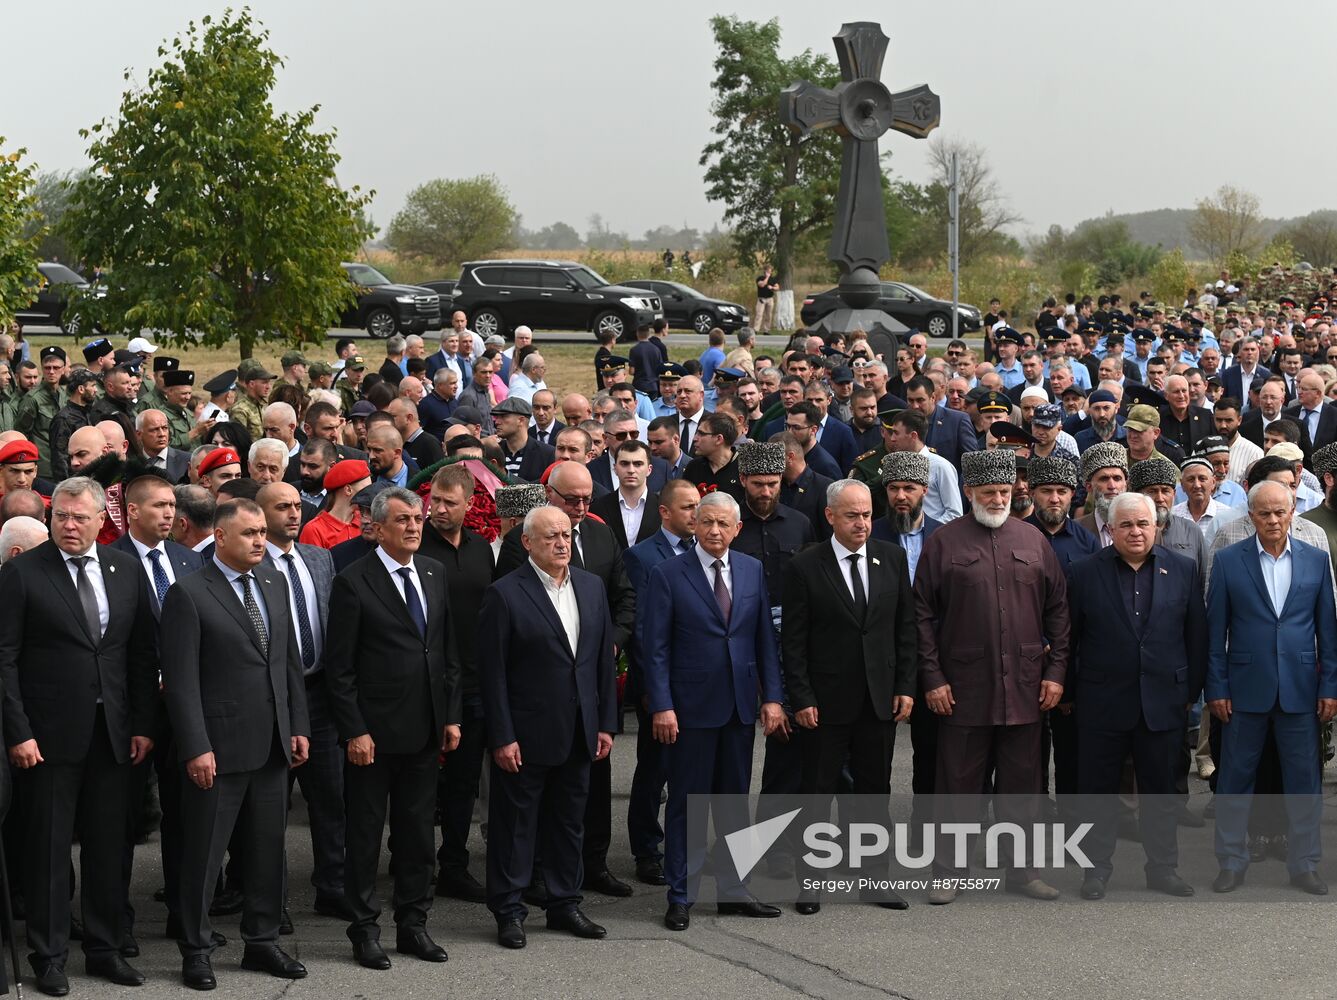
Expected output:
{"points": [[1314, 237], [1226, 222], [449, 221], [1171, 276], [558, 236], [20, 231], [984, 216], [777, 187], [219, 216]]}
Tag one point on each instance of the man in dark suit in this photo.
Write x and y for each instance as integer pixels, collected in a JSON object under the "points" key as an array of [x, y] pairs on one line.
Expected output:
{"points": [[620, 426], [525, 457], [154, 434], [79, 672], [1272, 666], [677, 511], [1255, 422], [834, 437], [710, 646], [232, 677], [309, 571], [467, 558], [850, 658], [1316, 417], [633, 504], [950, 433], [1134, 674], [150, 506], [596, 551], [1237, 379], [394, 689], [544, 425], [549, 697]]}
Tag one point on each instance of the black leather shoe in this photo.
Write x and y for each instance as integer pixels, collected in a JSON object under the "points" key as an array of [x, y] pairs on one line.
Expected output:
{"points": [[511, 934], [1171, 885], [52, 980], [650, 871], [370, 955], [1257, 849], [461, 886], [1093, 887], [888, 900], [272, 959], [678, 917], [606, 883], [1311, 883], [285, 922], [1227, 880], [226, 903], [576, 922], [197, 972], [807, 904], [129, 946], [419, 944], [114, 969], [536, 893], [333, 906], [747, 908]]}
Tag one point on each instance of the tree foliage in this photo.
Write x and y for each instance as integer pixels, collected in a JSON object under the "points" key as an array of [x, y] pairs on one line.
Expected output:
{"points": [[18, 238], [1314, 237], [450, 221], [1226, 222], [218, 216], [778, 187]]}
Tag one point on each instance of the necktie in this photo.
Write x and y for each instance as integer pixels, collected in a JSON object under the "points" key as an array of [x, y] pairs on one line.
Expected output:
{"points": [[304, 633], [577, 559], [856, 584], [411, 599], [160, 581], [686, 434], [722, 597], [1312, 417], [686, 544], [87, 599], [253, 612]]}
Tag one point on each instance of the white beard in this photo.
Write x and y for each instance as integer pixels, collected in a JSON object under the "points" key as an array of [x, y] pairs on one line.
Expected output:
{"points": [[988, 518]]}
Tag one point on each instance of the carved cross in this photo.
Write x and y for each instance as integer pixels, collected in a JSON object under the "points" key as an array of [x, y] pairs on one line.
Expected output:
{"points": [[860, 109]]}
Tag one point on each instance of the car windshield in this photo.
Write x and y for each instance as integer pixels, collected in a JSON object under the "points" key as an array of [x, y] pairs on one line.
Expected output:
{"points": [[691, 293], [586, 278], [366, 275], [917, 292], [59, 274]]}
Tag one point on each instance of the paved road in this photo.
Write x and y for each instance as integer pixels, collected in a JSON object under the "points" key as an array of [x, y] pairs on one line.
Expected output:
{"points": [[1266, 940]]}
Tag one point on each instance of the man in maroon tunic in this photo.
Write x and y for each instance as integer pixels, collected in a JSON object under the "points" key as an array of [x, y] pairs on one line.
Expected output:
{"points": [[990, 598]]}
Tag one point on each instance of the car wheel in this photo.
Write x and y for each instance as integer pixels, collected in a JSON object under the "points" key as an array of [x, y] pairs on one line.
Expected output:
{"points": [[703, 322], [71, 327], [938, 325], [381, 324], [610, 321], [487, 323]]}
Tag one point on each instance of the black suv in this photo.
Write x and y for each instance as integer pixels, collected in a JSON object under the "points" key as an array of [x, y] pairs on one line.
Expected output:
{"points": [[58, 286], [499, 295], [913, 306], [687, 309], [384, 308]]}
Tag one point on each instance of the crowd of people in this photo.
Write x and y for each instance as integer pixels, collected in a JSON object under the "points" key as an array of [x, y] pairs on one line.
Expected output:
{"points": [[418, 585]]}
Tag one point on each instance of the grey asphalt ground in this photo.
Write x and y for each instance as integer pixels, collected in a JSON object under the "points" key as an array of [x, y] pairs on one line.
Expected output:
{"points": [[1266, 940]]}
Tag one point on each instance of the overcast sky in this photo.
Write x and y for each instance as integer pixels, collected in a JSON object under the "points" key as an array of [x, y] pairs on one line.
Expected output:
{"points": [[597, 106]]}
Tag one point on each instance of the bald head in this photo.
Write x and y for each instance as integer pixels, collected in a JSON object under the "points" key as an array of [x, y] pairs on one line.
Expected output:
{"points": [[571, 477], [576, 408], [86, 446], [115, 437]]}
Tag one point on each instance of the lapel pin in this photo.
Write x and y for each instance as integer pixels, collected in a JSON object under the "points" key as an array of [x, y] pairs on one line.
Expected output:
{"points": [[429, 572], [112, 569], [877, 562], [1165, 572]]}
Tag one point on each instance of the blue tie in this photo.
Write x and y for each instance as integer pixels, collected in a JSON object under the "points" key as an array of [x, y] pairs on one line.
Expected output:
{"points": [[304, 632], [411, 599], [160, 581]]}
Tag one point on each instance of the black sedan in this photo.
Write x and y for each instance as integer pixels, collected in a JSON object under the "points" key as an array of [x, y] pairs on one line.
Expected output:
{"points": [[57, 287], [687, 309], [913, 306]]}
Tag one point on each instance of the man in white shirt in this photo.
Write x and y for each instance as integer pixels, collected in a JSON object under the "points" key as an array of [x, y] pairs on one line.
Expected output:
{"points": [[529, 379], [523, 337], [1243, 452], [905, 432]]}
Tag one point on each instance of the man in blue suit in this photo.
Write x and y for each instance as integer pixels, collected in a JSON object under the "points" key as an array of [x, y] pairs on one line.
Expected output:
{"points": [[1133, 676], [677, 512], [1273, 661], [1237, 379], [710, 645], [550, 701], [950, 433], [832, 436]]}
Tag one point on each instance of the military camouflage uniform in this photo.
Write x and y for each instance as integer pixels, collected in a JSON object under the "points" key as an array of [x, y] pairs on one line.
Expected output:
{"points": [[33, 418], [179, 424], [246, 412]]}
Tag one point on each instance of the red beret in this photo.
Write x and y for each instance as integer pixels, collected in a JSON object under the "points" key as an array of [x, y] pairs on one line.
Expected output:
{"points": [[350, 470], [18, 452], [218, 458]]}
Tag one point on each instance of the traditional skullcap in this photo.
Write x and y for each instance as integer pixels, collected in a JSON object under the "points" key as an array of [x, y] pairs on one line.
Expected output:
{"points": [[1193, 460], [761, 458], [992, 467], [517, 501], [1152, 472], [1105, 455], [904, 467], [1051, 471], [1215, 445]]}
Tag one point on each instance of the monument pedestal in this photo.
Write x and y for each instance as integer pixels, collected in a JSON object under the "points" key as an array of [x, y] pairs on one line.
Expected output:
{"points": [[885, 332]]}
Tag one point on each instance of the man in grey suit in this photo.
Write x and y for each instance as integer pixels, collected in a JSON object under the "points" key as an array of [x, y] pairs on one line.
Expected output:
{"points": [[232, 676], [310, 573]]}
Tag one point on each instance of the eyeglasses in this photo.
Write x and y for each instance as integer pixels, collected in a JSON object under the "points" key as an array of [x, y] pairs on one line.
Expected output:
{"points": [[622, 435], [574, 501], [64, 516]]}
